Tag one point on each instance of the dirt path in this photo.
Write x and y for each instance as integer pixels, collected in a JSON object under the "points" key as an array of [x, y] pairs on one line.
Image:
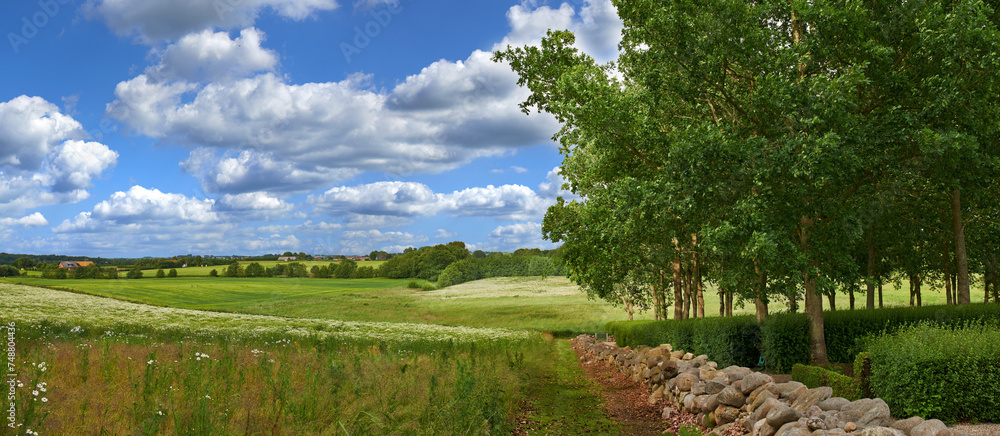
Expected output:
{"points": [[627, 402]]}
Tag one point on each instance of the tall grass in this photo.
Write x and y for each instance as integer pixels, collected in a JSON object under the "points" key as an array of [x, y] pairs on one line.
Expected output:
{"points": [[85, 381]]}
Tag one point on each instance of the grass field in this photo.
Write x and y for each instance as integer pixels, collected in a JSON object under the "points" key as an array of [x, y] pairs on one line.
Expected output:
{"points": [[553, 304]]}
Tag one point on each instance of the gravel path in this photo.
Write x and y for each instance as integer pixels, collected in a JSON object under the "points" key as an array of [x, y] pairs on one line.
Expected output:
{"points": [[980, 429]]}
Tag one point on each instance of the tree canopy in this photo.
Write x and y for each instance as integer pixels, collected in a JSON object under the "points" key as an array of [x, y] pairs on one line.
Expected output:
{"points": [[753, 143]]}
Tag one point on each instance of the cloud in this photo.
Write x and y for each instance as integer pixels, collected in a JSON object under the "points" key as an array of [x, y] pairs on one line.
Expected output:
{"points": [[519, 170], [521, 235], [597, 26], [152, 20], [444, 234], [140, 204], [42, 159], [34, 220], [261, 131], [411, 199], [211, 56], [364, 241], [552, 187]]}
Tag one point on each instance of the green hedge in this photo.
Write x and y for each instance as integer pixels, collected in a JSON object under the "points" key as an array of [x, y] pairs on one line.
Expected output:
{"points": [[815, 376], [728, 341], [470, 269], [951, 374], [783, 339]]}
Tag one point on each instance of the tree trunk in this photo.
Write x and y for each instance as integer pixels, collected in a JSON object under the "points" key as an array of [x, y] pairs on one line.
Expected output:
{"points": [[850, 296], [833, 300], [678, 290], [871, 273], [687, 293], [722, 302], [814, 301], [920, 302], [793, 303], [913, 291], [879, 295], [759, 302], [996, 290], [946, 266], [699, 295], [729, 303], [628, 307], [656, 303], [961, 260]]}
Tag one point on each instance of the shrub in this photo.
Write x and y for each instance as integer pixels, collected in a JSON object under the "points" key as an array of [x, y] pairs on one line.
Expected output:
{"points": [[160, 274], [815, 376], [213, 273], [728, 341], [785, 341], [427, 287], [939, 372], [413, 284], [863, 374], [172, 273]]}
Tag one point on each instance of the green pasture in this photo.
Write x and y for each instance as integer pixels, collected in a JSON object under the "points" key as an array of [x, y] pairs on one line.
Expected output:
{"points": [[202, 271], [552, 304]]}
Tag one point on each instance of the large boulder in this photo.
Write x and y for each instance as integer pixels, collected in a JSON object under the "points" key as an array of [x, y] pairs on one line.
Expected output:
{"points": [[907, 425], [753, 381], [793, 429], [876, 416], [930, 427], [736, 372], [684, 381], [835, 403], [811, 397], [725, 414], [706, 403], [714, 387], [781, 414], [879, 431], [764, 396], [732, 397]]}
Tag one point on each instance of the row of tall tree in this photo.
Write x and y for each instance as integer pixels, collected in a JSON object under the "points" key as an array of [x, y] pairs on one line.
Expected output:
{"points": [[778, 149]]}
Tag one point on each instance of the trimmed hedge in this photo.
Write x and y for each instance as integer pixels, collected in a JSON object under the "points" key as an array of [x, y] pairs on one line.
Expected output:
{"points": [[728, 341], [951, 374], [783, 339], [815, 376]]}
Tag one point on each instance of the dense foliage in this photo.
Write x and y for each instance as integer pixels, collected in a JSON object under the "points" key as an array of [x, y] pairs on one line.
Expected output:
{"points": [[470, 269], [728, 341], [815, 376], [951, 374], [424, 263], [782, 150]]}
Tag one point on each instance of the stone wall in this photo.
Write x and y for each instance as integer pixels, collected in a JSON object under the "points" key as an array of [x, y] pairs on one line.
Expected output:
{"points": [[729, 398]]}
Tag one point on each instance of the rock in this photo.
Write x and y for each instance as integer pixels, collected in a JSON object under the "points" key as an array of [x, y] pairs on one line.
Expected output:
{"points": [[706, 420], [786, 388], [656, 395], [793, 429], [721, 430], [794, 395], [853, 411], [761, 411], [732, 397], [707, 373], [814, 412], [676, 355], [761, 399], [907, 425], [815, 423], [669, 412], [810, 397], [876, 416], [706, 403], [850, 427], [930, 427], [753, 381], [699, 388], [736, 372], [669, 369], [758, 427], [714, 387], [835, 403], [684, 381], [769, 387], [879, 431], [689, 402], [725, 414], [780, 415], [687, 356]]}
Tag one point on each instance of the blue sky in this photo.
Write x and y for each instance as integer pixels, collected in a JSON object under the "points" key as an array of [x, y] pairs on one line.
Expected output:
{"points": [[160, 127]]}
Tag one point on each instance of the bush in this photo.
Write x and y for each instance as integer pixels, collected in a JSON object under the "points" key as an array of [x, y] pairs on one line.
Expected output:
{"points": [[815, 376], [427, 287], [728, 341], [413, 284], [785, 341], [937, 372], [172, 273], [213, 273], [160, 274]]}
